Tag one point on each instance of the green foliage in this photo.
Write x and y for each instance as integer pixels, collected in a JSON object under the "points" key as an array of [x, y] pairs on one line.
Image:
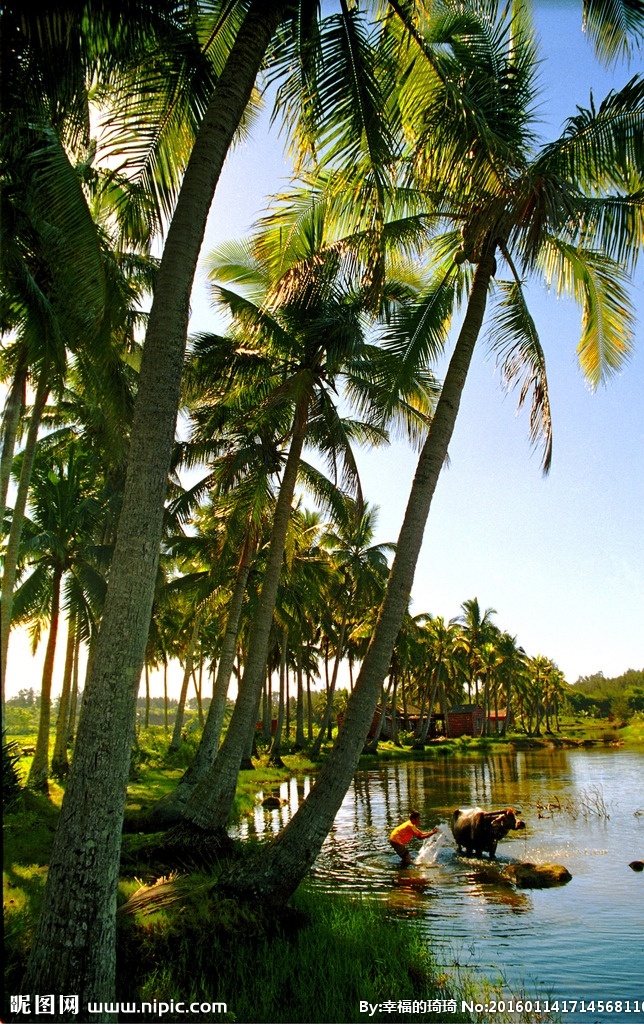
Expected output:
{"points": [[28, 833], [11, 777], [21, 719], [617, 698], [634, 731]]}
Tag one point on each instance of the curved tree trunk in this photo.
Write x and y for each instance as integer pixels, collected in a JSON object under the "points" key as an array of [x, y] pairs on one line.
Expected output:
{"points": [[74, 944], [59, 760], [39, 771], [187, 671], [10, 569], [371, 746], [16, 401], [326, 720], [279, 869], [168, 810], [210, 803]]}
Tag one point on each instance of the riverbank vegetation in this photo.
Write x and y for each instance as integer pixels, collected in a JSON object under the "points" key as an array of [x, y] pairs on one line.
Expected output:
{"points": [[423, 194], [180, 938]]}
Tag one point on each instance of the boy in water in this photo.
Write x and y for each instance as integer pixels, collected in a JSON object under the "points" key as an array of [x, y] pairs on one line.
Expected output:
{"points": [[403, 834]]}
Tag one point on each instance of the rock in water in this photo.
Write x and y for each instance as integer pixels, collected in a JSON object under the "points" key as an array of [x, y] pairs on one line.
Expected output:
{"points": [[536, 876], [271, 803], [637, 865]]}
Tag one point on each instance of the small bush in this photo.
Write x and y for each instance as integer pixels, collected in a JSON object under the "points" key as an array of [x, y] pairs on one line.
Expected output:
{"points": [[11, 780]]}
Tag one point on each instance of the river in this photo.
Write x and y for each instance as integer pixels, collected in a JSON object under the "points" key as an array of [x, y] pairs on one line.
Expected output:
{"points": [[577, 946]]}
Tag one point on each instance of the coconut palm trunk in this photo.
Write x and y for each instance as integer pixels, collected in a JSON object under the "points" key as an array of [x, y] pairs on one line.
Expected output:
{"points": [[428, 723], [168, 810], [15, 533], [279, 869], [16, 400], [187, 672], [39, 771], [215, 719], [74, 944], [371, 747], [275, 753], [73, 700], [59, 760], [326, 720], [299, 711], [210, 803]]}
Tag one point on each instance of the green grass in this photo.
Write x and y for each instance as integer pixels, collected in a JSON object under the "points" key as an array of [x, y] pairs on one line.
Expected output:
{"points": [[316, 960], [633, 733]]}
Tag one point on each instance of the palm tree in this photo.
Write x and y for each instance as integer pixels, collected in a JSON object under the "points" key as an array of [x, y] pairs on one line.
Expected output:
{"points": [[58, 545], [436, 645], [361, 568], [105, 732], [512, 664], [549, 212], [301, 306], [475, 631], [110, 693], [615, 28], [49, 230]]}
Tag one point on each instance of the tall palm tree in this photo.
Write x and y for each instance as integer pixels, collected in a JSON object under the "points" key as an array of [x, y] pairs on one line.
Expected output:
{"points": [[58, 549], [48, 227], [475, 631], [106, 727], [360, 568], [512, 664], [436, 646], [302, 306], [558, 212]]}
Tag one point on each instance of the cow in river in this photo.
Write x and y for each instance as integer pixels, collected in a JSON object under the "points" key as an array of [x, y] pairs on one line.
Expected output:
{"points": [[478, 832]]}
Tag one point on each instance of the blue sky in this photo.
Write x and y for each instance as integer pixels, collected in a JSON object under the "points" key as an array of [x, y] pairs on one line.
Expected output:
{"points": [[560, 558]]}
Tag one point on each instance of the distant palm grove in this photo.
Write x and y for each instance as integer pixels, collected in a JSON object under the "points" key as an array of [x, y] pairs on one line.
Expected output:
{"points": [[241, 545]]}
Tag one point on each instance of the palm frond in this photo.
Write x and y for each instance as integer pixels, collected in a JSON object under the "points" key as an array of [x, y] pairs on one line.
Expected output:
{"points": [[415, 336], [601, 147], [598, 284], [513, 338], [616, 27]]}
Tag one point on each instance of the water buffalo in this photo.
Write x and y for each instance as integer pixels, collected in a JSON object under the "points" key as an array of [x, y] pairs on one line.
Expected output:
{"points": [[477, 831]]}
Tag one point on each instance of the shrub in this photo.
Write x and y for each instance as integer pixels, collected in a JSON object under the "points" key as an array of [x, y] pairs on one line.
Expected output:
{"points": [[11, 781]]}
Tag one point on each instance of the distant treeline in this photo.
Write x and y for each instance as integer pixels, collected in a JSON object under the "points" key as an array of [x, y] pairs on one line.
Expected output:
{"points": [[600, 697]]}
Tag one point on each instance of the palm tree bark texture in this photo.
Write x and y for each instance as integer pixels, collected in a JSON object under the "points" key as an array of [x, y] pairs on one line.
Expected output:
{"points": [[74, 945]]}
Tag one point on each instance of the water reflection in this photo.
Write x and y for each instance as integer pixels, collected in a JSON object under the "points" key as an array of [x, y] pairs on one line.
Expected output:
{"points": [[582, 941]]}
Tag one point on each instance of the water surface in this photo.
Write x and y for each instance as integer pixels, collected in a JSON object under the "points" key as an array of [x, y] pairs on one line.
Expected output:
{"points": [[582, 941]]}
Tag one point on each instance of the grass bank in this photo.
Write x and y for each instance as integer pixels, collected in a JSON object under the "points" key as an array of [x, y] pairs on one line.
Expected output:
{"points": [[182, 941], [316, 960]]}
